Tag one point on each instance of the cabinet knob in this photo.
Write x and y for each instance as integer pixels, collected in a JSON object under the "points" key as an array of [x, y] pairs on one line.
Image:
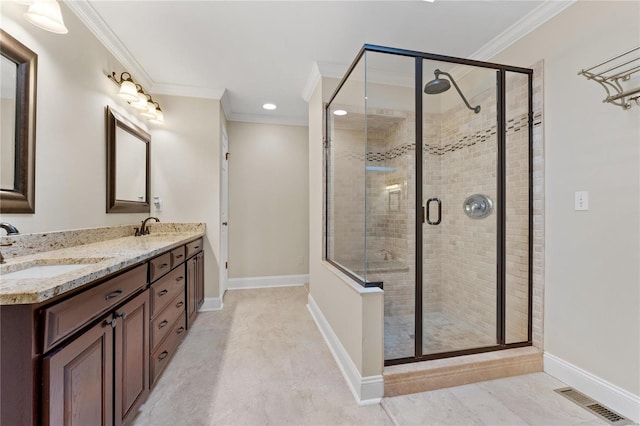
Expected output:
{"points": [[122, 315], [110, 322], [163, 355]]}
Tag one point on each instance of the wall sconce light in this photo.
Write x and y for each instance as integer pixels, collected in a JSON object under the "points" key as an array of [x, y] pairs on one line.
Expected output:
{"points": [[46, 14], [138, 99], [159, 115]]}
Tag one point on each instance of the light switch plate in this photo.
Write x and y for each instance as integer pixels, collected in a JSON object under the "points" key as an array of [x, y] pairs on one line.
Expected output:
{"points": [[582, 200]]}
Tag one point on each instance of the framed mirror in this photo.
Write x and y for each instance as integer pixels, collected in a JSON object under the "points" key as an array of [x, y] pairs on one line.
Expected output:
{"points": [[18, 73], [128, 166]]}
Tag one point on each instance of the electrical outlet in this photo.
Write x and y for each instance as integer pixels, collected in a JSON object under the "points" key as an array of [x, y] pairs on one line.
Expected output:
{"points": [[582, 200]]}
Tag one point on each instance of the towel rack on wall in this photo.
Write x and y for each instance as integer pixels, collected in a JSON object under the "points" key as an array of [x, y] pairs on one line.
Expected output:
{"points": [[615, 76]]}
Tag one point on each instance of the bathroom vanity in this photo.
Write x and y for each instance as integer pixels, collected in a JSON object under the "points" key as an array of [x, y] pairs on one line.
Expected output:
{"points": [[85, 346]]}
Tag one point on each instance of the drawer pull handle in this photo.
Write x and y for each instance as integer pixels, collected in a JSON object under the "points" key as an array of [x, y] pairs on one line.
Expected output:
{"points": [[179, 256], [163, 324], [179, 278], [163, 355], [164, 265], [113, 294], [196, 247], [179, 304], [180, 330], [163, 292]]}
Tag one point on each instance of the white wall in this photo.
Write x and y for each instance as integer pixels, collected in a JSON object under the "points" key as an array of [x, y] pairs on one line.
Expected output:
{"points": [[268, 200], [72, 93], [185, 172], [592, 285]]}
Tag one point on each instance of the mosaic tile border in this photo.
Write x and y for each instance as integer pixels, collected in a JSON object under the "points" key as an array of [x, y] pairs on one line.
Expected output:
{"points": [[514, 125]]}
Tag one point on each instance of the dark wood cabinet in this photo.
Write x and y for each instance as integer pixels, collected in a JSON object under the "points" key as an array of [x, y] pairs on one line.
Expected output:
{"points": [[90, 357], [200, 279], [78, 380], [131, 366], [192, 278], [195, 286]]}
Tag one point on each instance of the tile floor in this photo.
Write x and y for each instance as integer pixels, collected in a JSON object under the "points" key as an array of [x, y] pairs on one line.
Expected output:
{"points": [[262, 361]]}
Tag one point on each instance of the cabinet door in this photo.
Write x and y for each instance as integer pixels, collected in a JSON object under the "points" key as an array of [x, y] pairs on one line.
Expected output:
{"points": [[200, 280], [78, 380], [192, 299], [131, 358]]}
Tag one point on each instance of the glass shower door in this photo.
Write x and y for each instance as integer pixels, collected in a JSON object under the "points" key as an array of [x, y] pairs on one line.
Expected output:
{"points": [[459, 194]]}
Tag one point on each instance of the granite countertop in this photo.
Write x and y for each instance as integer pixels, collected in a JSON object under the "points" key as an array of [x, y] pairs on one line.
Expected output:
{"points": [[103, 258]]}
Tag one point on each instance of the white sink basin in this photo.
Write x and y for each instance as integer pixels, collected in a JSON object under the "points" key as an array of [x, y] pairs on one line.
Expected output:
{"points": [[43, 271], [46, 268]]}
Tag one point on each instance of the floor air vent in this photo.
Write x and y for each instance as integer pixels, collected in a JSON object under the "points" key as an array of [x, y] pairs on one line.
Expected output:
{"points": [[599, 410]]}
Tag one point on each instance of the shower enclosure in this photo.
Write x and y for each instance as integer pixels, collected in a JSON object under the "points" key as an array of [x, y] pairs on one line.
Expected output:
{"points": [[429, 196]]}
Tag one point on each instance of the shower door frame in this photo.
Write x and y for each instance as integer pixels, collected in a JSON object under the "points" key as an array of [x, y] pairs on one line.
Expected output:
{"points": [[501, 128]]}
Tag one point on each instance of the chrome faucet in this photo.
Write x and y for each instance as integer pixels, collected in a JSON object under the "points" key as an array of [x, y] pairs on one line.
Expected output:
{"points": [[143, 228], [11, 230]]}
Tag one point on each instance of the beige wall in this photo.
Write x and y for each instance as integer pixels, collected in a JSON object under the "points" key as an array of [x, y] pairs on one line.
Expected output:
{"points": [[355, 317], [268, 200], [185, 168], [72, 92], [592, 290]]}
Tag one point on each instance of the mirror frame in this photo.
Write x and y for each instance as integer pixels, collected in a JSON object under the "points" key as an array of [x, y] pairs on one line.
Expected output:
{"points": [[115, 120], [22, 199]]}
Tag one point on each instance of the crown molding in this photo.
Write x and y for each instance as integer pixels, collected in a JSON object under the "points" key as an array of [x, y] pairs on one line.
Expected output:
{"points": [[186, 91], [94, 22], [264, 119], [312, 81], [521, 28], [225, 102]]}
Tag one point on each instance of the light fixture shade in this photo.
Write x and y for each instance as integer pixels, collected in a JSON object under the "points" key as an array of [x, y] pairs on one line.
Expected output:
{"points": [[46, 14], [128, 91], [150, 113], [141, 103], [159, 117]]}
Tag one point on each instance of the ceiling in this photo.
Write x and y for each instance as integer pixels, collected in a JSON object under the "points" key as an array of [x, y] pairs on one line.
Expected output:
{"points": [[264, 51]]}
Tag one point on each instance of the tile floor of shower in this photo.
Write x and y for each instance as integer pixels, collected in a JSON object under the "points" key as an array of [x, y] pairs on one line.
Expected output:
{"points": [[441, 333]]}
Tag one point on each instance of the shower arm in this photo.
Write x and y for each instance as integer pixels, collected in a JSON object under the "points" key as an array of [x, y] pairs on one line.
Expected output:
{"points": [[475, 109]]}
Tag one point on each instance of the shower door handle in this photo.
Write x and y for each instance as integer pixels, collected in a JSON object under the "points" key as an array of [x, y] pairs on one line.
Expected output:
{"points": [[436, 222]]}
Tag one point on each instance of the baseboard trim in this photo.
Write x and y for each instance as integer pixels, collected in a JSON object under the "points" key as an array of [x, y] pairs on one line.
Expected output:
{"points": [[366, 390], [608, 394], [211, 304], [266, 282]]}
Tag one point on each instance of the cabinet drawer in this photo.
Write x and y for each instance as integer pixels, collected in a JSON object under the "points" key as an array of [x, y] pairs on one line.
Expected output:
{"points": [[159, 266], [160, 358], [165, 289], [68, 316], [162, 323], [194, 247], [177, 256]]}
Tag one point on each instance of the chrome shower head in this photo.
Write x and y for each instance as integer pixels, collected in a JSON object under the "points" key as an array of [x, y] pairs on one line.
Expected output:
{"points": [[441, 85]]}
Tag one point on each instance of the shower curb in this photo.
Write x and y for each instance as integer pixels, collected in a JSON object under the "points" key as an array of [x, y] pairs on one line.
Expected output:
{"points": [[443, 373]]}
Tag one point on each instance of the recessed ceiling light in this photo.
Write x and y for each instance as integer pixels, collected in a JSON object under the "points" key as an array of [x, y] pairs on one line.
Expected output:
{"points": [[269, 107], [339, 112]]}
